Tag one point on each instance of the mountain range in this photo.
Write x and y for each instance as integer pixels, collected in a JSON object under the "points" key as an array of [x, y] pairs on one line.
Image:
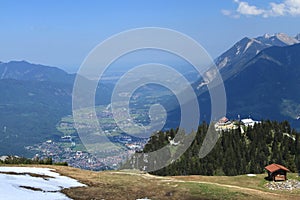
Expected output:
{"points": [[261, 77], [262, 72], [268, 86], [33, 100], [247, 48], [24, 71]]}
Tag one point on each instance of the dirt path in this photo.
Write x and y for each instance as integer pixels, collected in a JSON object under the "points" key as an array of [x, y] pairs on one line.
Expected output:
{"points": [[254, 192], [266, 195]]}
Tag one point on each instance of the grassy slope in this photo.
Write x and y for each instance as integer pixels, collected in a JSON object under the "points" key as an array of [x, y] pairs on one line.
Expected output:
{"points": [[133, 185]]}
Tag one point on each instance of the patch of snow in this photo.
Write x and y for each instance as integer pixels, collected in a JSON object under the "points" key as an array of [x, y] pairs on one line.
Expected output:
{"points": [[12, 185], [257, 41], [208, 77], [238, 50], [202, 84], [251, 175], [286, 39], [248, 45], [267, 36], [223, 63]]}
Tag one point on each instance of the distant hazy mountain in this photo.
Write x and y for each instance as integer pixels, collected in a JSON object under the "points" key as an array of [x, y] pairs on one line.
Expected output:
{"points": [[33, 100], [22, 70]]}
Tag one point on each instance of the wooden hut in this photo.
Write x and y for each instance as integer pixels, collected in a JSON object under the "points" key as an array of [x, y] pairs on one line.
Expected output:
{"points": [[277, 172]]}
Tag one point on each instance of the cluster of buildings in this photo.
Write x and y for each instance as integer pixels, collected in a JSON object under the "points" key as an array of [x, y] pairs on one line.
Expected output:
{"points": [[66, 150], [224, 124], [60, 152]]}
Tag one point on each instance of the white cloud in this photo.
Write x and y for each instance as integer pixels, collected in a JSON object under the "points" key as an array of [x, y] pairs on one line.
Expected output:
{"points": [[293, 7], [230, 13], [245, 9], [285, 8], [226, 12], [277, 9]]}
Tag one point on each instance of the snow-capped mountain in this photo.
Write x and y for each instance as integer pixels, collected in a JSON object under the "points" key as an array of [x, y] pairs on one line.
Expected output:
{"points": [[279, 39], [235, 59], [265, 86], [247, 48]]}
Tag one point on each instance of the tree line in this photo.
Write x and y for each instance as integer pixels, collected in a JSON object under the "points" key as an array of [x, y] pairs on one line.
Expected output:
{"points": [[236, 152], [37, 161]]}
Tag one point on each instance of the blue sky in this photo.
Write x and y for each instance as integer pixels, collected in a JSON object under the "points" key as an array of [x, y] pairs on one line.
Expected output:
{"points": [[61, 33]]}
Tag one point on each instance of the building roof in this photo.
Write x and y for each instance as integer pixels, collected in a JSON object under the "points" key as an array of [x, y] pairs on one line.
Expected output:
{"points": [[274, 167], [223, 120], [247, 120]]}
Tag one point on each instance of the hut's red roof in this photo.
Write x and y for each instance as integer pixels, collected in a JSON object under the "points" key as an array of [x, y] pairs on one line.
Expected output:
{"points": [[274, 167], [223, 120]]}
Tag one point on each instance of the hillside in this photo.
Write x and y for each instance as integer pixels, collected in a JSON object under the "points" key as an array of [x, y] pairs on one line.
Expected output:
{"points": [[48, 182], [22, 70], [263, 87], [33, 100], [134, 185], [267, 86], [247, 48], [29, 112], [237, 151]]}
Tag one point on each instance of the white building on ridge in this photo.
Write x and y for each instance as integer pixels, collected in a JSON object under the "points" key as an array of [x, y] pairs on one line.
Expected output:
{"points": [[249, 122]]}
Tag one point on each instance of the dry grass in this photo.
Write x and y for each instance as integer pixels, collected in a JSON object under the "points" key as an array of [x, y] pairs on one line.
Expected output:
{"points": [[114, 185], [30, 174], [31, 188], [248, 185]]}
